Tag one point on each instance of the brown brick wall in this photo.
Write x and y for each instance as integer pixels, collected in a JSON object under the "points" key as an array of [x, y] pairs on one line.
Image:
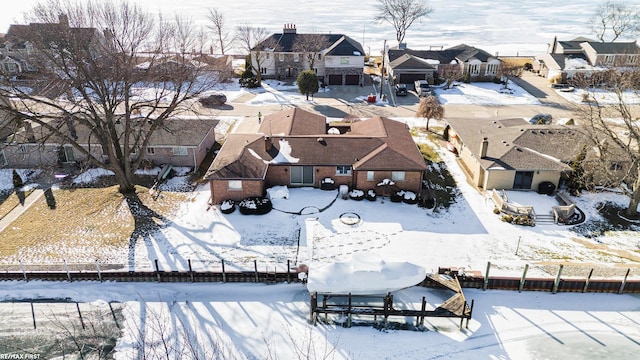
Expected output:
{"points": [[220, 190], [412, 180], [279, 175]]}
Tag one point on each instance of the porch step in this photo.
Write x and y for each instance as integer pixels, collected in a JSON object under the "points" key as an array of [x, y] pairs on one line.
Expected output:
{"points": [[545, 220]]}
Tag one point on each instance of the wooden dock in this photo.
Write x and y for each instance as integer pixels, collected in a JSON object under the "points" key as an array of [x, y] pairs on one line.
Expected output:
{"points": [[381, 307]]}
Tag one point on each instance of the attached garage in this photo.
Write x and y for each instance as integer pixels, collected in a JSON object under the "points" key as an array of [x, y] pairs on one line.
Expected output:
{"points": [[352, 80], [410, 78], [335, 79]]}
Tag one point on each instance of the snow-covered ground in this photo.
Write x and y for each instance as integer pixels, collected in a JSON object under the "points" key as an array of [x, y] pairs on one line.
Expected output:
{"points": [[254, 321]]}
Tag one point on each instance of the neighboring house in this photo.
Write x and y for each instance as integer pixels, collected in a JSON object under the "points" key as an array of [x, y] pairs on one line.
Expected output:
{"points": [[17, 45], [340, 63], [565, 59], [297, 148], [513, 154], [407, 66], [181, 142]]}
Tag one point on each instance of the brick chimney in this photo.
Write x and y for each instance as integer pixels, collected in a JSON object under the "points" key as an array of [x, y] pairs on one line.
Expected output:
{"points": [[483, 148], [267, 143], [289, 29], [63, 20]]}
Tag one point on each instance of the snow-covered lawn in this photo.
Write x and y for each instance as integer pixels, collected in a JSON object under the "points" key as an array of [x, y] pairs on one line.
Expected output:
{"points": [[601, 96], [485, 93]]}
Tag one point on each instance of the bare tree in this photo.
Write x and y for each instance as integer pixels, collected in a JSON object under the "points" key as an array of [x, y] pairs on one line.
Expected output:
{"points": [[119, 84], [254, 40], [224, 38], [430, 108], [507, 71], [615, 133], [613, 19], [310, 45], [401, 14]]}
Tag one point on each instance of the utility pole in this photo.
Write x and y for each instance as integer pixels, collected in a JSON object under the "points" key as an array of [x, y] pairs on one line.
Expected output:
{"points": [[384, 51]]}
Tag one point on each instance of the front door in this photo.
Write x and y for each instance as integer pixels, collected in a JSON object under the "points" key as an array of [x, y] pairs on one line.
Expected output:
{"points": [[523, 180], [301, 175]]}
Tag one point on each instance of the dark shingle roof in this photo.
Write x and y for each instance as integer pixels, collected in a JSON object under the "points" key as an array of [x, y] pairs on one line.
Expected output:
{"points": [[459, 53], [340, 45], [615, 47]]}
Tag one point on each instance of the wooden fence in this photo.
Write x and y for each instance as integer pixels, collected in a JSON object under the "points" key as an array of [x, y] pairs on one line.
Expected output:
{"points": [[557, 284]]}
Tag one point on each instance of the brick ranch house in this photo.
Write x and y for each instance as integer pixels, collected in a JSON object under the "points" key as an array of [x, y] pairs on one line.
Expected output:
{"points": [[297, 148]]}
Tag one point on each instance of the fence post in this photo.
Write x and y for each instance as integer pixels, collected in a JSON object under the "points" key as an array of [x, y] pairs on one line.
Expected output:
{"points": [[99, 273], [524, 276], [556, 283], [288, 271], [224, 274], [624, 282], [486, 277], [24, 273], [586, 283], [190, 270], [255, 268], [67, 269], [157, 270]]}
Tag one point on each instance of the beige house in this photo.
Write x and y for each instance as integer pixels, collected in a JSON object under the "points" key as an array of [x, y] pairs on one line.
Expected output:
{"points": [[565, 59], [513, 154], [407, 65], [181, 142], [297, 148]]}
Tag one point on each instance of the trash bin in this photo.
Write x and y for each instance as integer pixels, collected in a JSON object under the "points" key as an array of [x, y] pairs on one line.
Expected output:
{"points": [[546, 188]]}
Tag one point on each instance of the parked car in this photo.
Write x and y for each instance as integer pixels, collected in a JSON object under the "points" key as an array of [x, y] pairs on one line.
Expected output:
{"points": [[422, 88], [213, 100], [401, 90], [541, 119]]}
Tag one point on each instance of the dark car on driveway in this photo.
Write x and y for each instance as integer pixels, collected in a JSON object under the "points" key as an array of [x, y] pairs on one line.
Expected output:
{"points": [[401, 90]]}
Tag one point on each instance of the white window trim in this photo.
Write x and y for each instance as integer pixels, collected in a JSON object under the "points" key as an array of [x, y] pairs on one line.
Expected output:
{"points": [[339, 173], [492, 69], [474, 68], [234, 185]]}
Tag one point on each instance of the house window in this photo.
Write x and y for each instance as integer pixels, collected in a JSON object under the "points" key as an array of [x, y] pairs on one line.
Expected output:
{"points": [[343, 170], [344, 60], [492, 69], [614, 165], [319, 56], [151, 151], [65, 154], [632, 59], [3, 159], [608, 59], [296, 57], [263, 70], [474, 69], [371, 175], [397, 175], [180, 150], [234, 185], [11, 67], [23, 148], [266, 56], [281, 57]]}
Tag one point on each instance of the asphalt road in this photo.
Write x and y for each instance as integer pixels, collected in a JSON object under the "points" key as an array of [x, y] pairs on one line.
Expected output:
{"points": [[342, 101]]}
